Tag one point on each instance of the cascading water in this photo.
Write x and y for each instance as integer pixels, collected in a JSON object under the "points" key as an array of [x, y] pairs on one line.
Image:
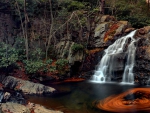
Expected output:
{"points": [[128, 76], [107, 64], [1, 96]]}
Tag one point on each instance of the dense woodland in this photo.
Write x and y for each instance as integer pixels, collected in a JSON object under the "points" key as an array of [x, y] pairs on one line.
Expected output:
{"points": [[31, 29]]}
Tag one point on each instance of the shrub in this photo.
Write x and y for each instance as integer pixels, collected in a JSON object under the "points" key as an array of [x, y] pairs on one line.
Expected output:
{"points": [[62, 66], [77, 47], [32, 67], [8, 55], [36, 54], [20, 48], [49, 61], [75, 5]]}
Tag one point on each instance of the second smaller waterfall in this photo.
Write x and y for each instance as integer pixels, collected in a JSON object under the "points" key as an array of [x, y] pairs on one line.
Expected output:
{"points": [[124, 45]]}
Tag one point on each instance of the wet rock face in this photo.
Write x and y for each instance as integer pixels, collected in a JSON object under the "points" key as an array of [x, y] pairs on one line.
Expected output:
{"points": [[142, 58], [15, 97], [26, 87]]}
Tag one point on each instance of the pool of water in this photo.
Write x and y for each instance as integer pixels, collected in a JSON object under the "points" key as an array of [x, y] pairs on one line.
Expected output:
{"points": [[79, 97]]}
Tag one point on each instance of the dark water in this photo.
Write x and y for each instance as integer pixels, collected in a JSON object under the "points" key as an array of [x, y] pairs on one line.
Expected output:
{"points": [[80, 96]]}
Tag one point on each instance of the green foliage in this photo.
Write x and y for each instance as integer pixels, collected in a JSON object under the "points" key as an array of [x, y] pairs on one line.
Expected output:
{"points": [[20, 48], [134, 11], [61, 62], [62, 66], [75, 5], [8, 55], [32, 67], [49, 67], [49, 61], [36, 54], [77, 47]]}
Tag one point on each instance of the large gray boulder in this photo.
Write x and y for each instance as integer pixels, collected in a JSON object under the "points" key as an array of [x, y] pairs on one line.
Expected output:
{"points": [[26, 87]]}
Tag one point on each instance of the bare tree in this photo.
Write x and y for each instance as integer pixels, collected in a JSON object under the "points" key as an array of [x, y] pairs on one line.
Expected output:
{"points": [[102, 5], [24, 25]]}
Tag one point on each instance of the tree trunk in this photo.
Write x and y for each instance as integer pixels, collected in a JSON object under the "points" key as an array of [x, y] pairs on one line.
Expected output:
{"points": [[50, 30], [102, 5], [25, 29]]}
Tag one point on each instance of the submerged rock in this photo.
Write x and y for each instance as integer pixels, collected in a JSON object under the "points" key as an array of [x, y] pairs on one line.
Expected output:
{"points": [[26, 87]]}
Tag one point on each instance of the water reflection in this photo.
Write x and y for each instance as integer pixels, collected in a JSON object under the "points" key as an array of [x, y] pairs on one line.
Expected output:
{"points": [[80, 96], [134, 100]]}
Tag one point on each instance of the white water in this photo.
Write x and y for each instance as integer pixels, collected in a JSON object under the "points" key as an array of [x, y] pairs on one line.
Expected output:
{"points": [[106, 66], [1, 96]]}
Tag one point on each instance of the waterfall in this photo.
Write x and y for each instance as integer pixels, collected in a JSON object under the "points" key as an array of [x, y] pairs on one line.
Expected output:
{"points": [[1, 96], [107, 65]]}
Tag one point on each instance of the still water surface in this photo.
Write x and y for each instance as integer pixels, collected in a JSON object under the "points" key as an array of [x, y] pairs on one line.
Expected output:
{"points": [[79, 97]]}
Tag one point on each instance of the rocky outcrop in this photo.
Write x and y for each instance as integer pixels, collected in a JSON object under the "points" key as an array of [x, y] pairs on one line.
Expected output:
{"points": [[10, 107], [107, 30], [64, 50], [26, 87], [142, 60]]}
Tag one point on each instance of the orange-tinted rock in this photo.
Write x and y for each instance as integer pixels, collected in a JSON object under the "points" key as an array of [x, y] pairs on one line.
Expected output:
{"points": [[107, 18], [141, 31], [129, 30], [147, 29]]}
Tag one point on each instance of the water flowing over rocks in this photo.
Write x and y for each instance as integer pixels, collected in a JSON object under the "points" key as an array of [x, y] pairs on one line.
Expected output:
{"points": [[26, 87], [106, 31], [110, 61]]}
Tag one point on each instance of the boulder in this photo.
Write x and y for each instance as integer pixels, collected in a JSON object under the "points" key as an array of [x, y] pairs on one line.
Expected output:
{"points": [[10, 107], [107, 32], [26, 87], [107, 18], [101, 28], [40, 109]]}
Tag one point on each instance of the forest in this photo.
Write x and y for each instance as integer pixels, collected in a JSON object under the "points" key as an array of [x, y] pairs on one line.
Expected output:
{"points": [[56, 43], [33, 29]]}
